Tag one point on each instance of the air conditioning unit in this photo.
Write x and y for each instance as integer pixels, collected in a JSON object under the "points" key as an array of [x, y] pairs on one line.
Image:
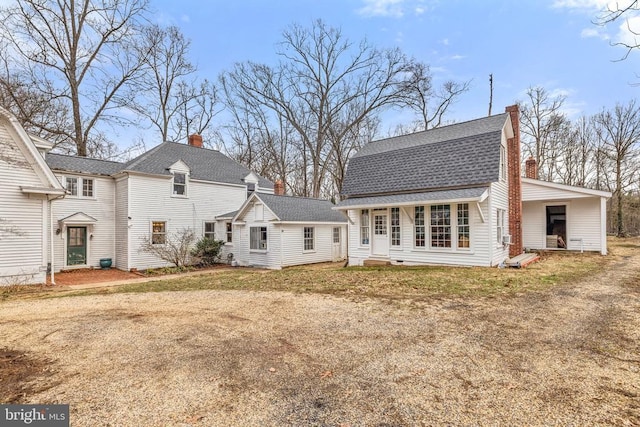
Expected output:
{"points": [[506, 239]]}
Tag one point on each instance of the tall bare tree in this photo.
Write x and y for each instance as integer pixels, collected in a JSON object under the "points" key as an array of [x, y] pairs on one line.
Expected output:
{"points": [[75, 52], [323, 87], [619, 132], [543, 125]]}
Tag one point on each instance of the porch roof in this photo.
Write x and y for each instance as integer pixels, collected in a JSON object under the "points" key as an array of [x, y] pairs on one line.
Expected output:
{"points": [[477, 194]]}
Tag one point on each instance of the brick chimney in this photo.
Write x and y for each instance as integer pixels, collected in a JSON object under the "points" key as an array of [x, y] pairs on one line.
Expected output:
{"points": [[195, 140], [531, 168], [513, 178], [278, 188]]}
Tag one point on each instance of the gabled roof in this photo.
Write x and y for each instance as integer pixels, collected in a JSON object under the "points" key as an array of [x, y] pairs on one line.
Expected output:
{"points": [[456, 156], [205, 164], [61, 162], [297, 209]]}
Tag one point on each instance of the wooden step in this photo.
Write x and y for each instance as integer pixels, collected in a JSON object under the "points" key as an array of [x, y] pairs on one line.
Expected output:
{"points": [[376, 262]]}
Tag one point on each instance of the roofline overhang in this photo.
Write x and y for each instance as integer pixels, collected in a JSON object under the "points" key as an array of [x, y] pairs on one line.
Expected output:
{"points": [[478, 199], [555, 185], [44, 191], [309, 222]]}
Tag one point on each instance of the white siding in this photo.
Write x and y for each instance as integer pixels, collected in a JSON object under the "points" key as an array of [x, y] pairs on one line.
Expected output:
{"points": [[482, 240], [150, 200], [531, 192], [22, 237], [292, 243], [244, 255], [122, 223], [499, 199], [583, 222], [100, 235]]}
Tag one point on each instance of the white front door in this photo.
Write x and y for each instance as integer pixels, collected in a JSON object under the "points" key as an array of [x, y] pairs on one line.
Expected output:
{"points": [[380, 234], [336, 250]]}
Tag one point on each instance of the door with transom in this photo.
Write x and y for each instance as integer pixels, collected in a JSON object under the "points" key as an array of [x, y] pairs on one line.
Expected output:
{"points": [[380, 233]]}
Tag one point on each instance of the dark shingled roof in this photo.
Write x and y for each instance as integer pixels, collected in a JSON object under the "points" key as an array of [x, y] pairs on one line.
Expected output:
{"points": [[205, 164], [60, 162], [461, 155], [301, 209]]}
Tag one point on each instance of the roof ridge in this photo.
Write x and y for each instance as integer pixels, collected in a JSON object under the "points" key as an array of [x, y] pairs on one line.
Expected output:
{"points": [[137, 160]]}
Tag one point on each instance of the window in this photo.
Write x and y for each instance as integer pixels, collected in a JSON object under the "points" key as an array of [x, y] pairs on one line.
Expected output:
{"points": [[87, 187], [308, 239], [463, 225], [419, 227], [336, 234], [251, 187], [499, 225], [72, 186], [503, 163], [364, 227], [158, 232], [258, 238], [210, 230], [229, 232], [440, 226], [179, 184], [395, 226]]}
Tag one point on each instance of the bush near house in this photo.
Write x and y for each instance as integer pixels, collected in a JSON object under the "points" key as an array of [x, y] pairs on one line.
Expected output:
{"points": [[207, 251]]}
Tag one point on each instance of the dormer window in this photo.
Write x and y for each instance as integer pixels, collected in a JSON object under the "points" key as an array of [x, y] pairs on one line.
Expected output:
{"points": [[251, 187], [179, 184]]}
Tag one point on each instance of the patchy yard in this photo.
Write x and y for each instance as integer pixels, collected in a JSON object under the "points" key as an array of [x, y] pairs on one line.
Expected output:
{"points": [[267, 349]]}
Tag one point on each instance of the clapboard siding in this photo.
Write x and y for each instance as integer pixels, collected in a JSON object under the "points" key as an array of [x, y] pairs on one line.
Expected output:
{"points": [[150, 199], [22, 259], [257, 217], [293, 243], [499, 199], [533, 225], [100, 235], [122, 223]]}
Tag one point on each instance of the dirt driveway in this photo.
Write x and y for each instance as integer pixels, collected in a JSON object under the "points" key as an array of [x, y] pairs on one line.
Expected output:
{"points": [[569, 356]]}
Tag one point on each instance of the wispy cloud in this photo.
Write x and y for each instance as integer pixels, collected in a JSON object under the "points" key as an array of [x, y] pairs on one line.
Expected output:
{"points": [[457, 57], [391, 8], [594, 33], [581, 4]]}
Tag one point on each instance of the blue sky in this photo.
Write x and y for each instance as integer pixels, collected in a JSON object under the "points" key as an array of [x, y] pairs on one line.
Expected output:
{"points": [[551, 43]]}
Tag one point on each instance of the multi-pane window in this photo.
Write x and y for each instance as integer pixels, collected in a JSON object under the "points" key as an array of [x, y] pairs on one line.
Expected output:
{"points": [[500, 225], [380, 224], [87, 187], [364, 226], [210, 230], [179, 184], [308, 239], [229, 232], [336, 234], [395, 226], [158, 232], [258, 238], [419, 227], [463, 225], [441, 226], [72, 186]]}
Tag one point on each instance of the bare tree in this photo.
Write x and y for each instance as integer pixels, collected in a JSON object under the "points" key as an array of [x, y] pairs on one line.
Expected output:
{"points": [[428, 102], [619, 133], [75, 52], [543, 124], [616, 11], [324, 87]]}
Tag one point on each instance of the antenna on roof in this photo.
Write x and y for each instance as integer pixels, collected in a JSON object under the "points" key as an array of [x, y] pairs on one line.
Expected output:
{"points": [[490, 92]]}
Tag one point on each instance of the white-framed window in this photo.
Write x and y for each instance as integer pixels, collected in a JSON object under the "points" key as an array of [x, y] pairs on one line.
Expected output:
{"points": [[210, 230], [336, 234], [309, 241], [440, 226], [258, 238], [158, 232], [419, 229], [229, 232], [395, 226], [464, 234], [364, 227], [251, 188], [179, 184], [500, 221], [503, 163], [80, 187]]}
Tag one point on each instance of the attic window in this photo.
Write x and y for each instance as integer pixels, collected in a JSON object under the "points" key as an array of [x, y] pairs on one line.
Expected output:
{"points": [[179, 184], [251, 187]]}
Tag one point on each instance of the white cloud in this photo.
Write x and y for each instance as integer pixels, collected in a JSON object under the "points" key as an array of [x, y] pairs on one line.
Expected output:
{"points": [[185, 19], [581, 4], [419, 10], [389, 8], [457, 57], [445, 42], [594, 32]]}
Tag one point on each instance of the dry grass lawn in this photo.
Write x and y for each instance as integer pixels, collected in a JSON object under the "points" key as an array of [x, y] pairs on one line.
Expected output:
{"points": [[555, 344]]}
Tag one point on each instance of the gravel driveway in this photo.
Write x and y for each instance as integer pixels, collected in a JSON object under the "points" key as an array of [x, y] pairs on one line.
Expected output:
{"points": [[569, 356]]}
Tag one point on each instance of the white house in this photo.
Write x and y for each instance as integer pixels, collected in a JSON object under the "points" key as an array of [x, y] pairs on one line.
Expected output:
{"points": [[454, 195], [275, 231], [28, 188]]}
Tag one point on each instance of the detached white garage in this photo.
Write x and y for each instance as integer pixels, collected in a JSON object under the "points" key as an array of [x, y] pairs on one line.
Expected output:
{"points": [[557, 216]]}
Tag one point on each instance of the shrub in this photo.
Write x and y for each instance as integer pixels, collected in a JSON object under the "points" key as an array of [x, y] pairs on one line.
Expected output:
{"points": [[174, 250], [207, 251]]}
